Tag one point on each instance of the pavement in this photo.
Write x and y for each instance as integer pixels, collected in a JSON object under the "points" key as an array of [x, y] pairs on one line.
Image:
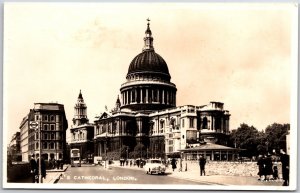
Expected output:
{"points": [[54, 175], [193, 174]]}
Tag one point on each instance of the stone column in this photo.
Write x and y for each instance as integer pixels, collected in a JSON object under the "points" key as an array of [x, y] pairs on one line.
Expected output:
{"points": [[167, 92], [157, 95], [163, 97], [147, 95], [141, 100], [152, 95], [135, 95], [131, 96], [123, 98]]}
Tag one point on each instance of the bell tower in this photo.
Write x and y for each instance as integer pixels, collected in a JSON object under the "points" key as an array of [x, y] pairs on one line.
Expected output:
{"points": [[80, 113]]}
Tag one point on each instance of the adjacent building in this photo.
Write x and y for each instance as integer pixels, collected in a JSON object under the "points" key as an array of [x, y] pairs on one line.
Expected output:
{"points": [[82, 132], [146, 122], [44, 130], [14, 148]]}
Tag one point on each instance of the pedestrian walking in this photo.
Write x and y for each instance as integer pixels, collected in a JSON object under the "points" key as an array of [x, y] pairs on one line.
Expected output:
{"points": [[260, 163], [275, 171], [285, 161], [173, 163], [33, 170], [202, 162], [180, 165], [43, 168], [268, 167]]}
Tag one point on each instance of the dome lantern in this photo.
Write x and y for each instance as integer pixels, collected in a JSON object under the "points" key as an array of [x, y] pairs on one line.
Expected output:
{"points": [[148, 39]]}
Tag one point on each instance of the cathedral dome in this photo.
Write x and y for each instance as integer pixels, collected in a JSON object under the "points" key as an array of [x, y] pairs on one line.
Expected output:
{"points": [[148, 62]]}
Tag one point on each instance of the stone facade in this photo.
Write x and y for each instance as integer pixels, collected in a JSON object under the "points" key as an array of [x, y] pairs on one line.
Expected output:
{"points": [[52, 124], [146, 118], [82, 132]]}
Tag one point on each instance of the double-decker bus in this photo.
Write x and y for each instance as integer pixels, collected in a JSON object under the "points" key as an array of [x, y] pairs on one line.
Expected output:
{"points": [[75, 158]]}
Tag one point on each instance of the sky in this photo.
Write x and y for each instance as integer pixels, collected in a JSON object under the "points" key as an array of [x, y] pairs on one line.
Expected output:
{"points": [[240, 55]]}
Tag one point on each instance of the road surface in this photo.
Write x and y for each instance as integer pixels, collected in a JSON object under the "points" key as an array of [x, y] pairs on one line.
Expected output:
{"points": [[117, 175]]}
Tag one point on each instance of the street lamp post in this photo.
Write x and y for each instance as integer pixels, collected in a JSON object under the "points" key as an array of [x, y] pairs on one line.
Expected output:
{"points": [[40, 154]]}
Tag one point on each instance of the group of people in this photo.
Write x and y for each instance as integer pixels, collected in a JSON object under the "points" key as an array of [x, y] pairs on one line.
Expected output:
{"points": [[53, 163], [269, 170], [138, 162], [34, 169]]}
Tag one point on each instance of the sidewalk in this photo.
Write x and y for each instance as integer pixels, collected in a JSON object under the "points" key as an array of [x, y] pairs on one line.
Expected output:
{"points": [[194, 175], [54, 175]]}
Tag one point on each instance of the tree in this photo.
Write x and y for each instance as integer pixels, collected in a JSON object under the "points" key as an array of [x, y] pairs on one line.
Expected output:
{"points": [[276, 136], [246, 137]]}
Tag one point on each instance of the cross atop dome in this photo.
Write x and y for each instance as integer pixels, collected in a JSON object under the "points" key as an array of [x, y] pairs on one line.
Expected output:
{"points": [[148, 39]]}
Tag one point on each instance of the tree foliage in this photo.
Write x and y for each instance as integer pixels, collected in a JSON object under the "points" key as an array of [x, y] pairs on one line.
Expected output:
{"points": [[256, 142], [276, 136], [245, 137]]}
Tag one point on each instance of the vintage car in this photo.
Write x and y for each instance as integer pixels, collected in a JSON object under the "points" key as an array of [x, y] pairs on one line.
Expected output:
{"points": [[154, 166]]}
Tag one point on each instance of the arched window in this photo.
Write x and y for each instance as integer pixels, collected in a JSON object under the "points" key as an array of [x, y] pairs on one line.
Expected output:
{"points": [[204, 123]]}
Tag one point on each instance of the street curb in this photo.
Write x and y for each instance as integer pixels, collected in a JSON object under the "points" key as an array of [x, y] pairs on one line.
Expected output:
{"points": [[57, 179]]}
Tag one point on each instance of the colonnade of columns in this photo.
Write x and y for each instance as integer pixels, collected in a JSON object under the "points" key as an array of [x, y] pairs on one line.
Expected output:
{"points": [[148, 95], [80, 112]]}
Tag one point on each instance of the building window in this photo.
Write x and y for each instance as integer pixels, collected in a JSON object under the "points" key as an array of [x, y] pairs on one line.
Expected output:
{"points": [[36, 145], [45, 127], [45, 136], [52, 118], [45, 117], [52, 145], [82, 135], [162, 124], [36, 135], [191, 122], [182, 122], [171, 149], [37, 117], [170, 142], [52, 136], [45, 146], [52, 127], [204, 123], [74, 136]]}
